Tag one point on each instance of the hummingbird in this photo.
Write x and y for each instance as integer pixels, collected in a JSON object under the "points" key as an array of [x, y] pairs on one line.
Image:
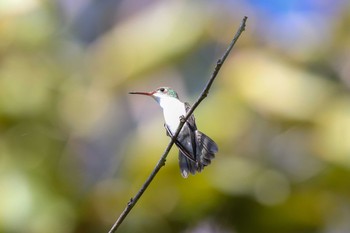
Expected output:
{"points": [[196, 150]]}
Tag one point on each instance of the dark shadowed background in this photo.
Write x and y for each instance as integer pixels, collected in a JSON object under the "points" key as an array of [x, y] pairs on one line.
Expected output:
{"points": [[75, 147]]}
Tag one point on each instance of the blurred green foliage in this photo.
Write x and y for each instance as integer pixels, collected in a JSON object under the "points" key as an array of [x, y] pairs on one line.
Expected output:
{"points": [[74, 147]]}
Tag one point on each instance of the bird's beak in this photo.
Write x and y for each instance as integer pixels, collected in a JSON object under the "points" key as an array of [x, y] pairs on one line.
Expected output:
{"points": [[141, 93]]}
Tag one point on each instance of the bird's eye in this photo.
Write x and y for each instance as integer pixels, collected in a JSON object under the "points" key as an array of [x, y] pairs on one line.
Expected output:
{"points": [[162, 89]]}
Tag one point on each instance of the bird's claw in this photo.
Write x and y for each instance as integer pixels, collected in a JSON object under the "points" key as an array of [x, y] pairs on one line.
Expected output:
{"points": [[182, 118]]}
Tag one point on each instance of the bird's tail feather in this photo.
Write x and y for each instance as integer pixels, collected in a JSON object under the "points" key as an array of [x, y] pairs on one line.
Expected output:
{"points": [[206, 149], [186, 165], [205, 152]]}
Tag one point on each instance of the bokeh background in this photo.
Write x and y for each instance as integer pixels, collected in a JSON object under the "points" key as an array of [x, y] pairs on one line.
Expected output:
{"points": [[75, 147]]}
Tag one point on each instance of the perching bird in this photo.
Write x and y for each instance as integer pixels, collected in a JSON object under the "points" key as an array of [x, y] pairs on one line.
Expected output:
{"points": [[196, 150]]}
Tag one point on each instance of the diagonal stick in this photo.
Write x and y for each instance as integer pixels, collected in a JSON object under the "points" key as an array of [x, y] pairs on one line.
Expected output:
{"points": [[162, 160]]}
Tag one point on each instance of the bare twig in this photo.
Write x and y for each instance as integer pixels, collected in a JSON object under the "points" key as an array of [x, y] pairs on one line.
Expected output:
{"points": [[162, 160]]}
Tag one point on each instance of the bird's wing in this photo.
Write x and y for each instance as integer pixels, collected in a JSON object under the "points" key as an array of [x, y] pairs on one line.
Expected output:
{"points": [[182, 149], [191, 120], [187, 155], [187, 138]]}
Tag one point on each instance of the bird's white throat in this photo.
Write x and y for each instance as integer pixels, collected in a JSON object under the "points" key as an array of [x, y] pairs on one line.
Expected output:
{"points": [[173, 109]]}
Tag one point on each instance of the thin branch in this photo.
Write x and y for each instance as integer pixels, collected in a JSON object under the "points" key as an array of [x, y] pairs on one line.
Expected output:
{"points": [[162, 160]]}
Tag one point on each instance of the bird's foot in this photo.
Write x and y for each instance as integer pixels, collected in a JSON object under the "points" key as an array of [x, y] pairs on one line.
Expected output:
{"points": [[182, 118]]}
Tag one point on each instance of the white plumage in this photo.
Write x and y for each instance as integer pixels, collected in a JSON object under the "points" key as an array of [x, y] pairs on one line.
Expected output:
{"points": [[173, 109]]}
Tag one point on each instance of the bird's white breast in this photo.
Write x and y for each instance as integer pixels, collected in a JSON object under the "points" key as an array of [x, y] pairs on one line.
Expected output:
{"points": [[172, 110]]}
